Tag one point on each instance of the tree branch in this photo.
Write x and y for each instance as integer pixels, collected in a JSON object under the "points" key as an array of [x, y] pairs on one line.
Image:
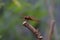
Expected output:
{"points": [[51, 25], [34, 31], [51, 8]]}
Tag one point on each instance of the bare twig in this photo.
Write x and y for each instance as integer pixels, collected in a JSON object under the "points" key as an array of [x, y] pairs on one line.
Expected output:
{"points": [[52, 24], [34, 31]]}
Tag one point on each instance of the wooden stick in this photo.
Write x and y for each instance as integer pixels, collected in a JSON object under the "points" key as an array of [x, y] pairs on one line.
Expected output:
{"points": [[51, 25], [34, 31]]}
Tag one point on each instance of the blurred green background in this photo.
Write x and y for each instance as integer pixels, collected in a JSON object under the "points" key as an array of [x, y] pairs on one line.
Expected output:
{"points": [[11, 18]]}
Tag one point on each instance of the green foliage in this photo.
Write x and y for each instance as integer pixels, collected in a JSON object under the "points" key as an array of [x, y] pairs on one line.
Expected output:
{"points": [[12, 17]]}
